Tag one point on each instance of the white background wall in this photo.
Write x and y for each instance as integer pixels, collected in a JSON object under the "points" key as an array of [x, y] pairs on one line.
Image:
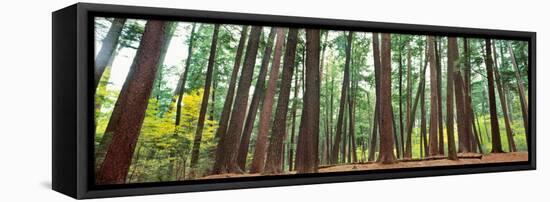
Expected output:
{"points": [[25, 99]]}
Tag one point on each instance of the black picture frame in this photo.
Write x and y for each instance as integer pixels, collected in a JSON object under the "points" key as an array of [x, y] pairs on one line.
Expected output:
{"points": [[72, 100]]}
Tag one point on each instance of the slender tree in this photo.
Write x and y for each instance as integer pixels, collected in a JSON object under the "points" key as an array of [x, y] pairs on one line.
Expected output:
{"points": [[278, 129], [504, 107], [206, 95], [343, 95], [441, 144], [226, 152], [108, 47], [375, 129], [521, 89], [114, 168], [255, 103], [309, 126], [183, 78], [412, 113], [433, 99], [495, 130]]}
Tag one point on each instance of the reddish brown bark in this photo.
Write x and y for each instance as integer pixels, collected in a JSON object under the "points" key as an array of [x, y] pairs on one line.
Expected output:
{"points": [[132, 108], [226, 111], [386, 126], [254, 104], [452, 57], [495, 130], [274, 155], [434, 144], [308, 139], [258, 160], [226, 152]]}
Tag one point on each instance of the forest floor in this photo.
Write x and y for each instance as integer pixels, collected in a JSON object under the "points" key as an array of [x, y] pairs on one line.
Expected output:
{"points": [[464, 159]]}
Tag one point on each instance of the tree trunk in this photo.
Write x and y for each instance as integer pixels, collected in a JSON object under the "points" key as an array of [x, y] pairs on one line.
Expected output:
{"points": [[309, 127], [401, 136], [132, 110], [206, 95], [434, 150], [108, 47], [509, 135], [226, 152], [521, 88], [254, 104], [495, 130], [452, 58], [463, 132], [441, 144], [470, 126], [183, 78], [258, 160], [273, 162], [411, 114], [341, 111], [293, 131], [386, 126], [375, 129], [226, 111], [423, 130]]}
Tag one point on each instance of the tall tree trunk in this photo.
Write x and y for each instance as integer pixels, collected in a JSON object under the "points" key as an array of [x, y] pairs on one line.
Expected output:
{"points": [[470, 126], [258, 160], [114, 168], [463, 131], [386, 126], [423, 130], [375, 129], [206, 95], [226, 111], [452, 57], [495, 130], [521, 88], [183, 78], [401, 136], [255, 103], [108, 47], [328, 126], [293, 131], [341, 112], [273, 161], [309, 126], [433, 99], [171, 28], [412, 113], [407, 152], [226, 152], [441, 144], [501, 95]]}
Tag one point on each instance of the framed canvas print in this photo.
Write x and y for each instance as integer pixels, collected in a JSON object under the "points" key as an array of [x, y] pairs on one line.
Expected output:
{"points": [[156, 100]]}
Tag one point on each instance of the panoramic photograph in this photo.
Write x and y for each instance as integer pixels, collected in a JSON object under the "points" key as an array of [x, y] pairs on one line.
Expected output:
{"points": [[190, 101]]}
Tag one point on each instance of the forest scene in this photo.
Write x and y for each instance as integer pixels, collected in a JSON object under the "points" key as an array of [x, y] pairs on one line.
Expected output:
{"points": [[179, 101]]}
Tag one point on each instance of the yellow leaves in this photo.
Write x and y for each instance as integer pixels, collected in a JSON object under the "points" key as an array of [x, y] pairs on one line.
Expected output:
{"points": [[161, 130]]}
